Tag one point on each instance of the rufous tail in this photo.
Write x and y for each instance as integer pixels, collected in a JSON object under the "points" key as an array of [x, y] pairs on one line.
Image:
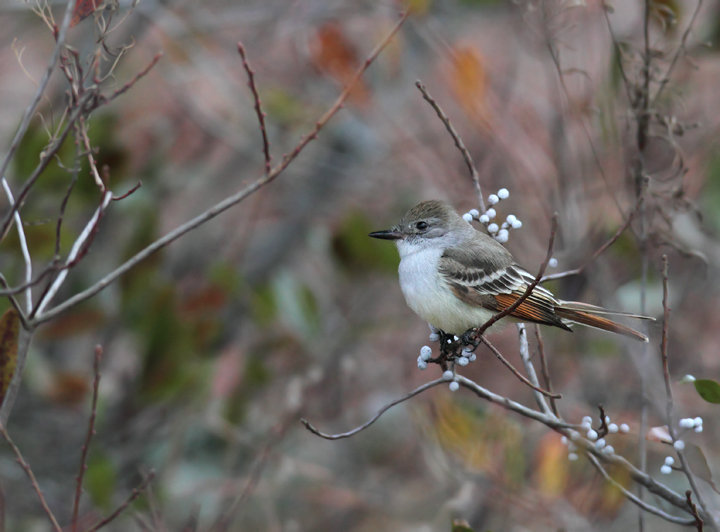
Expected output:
{"points": [[587, 316]]}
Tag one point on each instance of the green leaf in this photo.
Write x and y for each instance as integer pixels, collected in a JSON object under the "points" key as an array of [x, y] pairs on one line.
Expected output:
{"points": [[460, 525], [708, 390]]}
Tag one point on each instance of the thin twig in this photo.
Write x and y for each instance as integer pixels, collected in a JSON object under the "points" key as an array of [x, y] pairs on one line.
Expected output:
{"points": [[680, 51], [380, 412], [88, 438], [28, 471], [133, 81], [458, 142], [258, 109], [228, 202], [30, 111], [223, 522], [516, 372], [634, 499], [697, 521], [128, 193], [601, 249], [136, 492], [23, 247], [509, 310], [545, 371], [79, 248], [668, 390], [530, 369]]}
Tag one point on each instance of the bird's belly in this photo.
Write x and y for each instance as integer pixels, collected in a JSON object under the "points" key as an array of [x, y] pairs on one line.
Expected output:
{"points": [[428, 294]]}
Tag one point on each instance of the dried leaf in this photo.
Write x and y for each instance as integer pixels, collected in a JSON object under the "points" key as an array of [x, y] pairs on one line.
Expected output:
{"points": [[708, 390], [660, 434], [9, 331], [83, 9], [698, 464], [469, 79], [552, 469], [335, 54]]}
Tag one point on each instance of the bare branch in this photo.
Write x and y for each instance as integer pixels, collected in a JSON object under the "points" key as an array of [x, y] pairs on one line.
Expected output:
{"points": [[698, 522], [88, 438], [679, 52], [545, 372], [530, 369], [228, 202], [258, 109], [458, 142], [30, 111], [634, 499], [601, 249], [380, 412], [516, 372], [28, 471], [134, 495]]}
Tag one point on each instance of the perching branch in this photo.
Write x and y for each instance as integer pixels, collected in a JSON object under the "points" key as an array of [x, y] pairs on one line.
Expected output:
{"points": [[519, 301]]}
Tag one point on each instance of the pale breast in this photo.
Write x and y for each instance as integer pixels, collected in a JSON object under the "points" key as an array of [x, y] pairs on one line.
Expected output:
{"points": [[427, 293]]}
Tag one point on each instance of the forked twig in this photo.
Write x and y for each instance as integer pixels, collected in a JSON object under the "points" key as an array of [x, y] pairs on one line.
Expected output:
{"points": [[458, 142], [372, 420], [634, 498], [28, 471], [258, 109], [136, 492], [88, 438], [545, 371], [228, 202]]}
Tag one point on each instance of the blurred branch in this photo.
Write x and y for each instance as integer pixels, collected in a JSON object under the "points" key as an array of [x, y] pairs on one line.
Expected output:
{"points": [[530, 369], [601, 249], [698, 520], [134, 495], [545, 372], [258, 109], [520, 375], [88, 438], [228, 202], [669, 404], [680, 51], [458, 142], [28, 471], [30, 111], [634, 499], [380, 412]]}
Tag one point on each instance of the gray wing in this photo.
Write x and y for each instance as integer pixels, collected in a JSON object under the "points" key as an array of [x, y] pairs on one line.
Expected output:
{"points": [[492, 280]]}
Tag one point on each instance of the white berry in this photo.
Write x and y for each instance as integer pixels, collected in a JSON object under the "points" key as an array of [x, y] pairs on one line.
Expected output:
{"points": [[454, 386], [448, 375], [679, 445], [493, 199], [666, 470], [503, 193]]}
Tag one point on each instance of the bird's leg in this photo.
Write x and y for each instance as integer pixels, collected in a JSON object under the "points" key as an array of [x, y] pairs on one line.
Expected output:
{"points": [[469, 338]]}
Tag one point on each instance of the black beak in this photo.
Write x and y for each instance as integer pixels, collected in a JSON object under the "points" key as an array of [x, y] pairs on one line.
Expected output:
{"points": [[387, 235]]}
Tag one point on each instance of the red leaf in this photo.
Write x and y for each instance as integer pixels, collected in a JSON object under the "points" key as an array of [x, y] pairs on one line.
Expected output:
{"points": [[83, 9]]}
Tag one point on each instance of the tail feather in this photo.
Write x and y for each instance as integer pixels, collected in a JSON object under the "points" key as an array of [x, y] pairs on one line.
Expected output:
{"points": [[593, 309], [589, 318]]}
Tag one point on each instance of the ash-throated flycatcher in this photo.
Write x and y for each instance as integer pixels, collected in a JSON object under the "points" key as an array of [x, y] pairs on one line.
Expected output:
{"points": [[457, 278]]}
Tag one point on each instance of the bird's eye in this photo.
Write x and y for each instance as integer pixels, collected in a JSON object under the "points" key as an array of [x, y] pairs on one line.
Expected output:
{"points": [[421, 226]]}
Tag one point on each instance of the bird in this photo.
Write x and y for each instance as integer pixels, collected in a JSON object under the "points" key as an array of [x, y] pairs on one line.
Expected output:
{"points": [[456, 278]]}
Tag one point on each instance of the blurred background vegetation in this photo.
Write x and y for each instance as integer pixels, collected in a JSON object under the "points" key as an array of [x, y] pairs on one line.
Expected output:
{"points": [[283, 308]]}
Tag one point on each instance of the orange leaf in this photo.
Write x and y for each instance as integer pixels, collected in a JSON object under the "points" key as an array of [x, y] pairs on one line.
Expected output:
{"points": [[552, 469], [83, 9], [9, 331], [469, 80], [334, 54]]}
